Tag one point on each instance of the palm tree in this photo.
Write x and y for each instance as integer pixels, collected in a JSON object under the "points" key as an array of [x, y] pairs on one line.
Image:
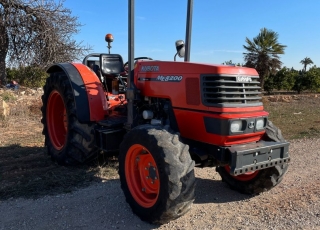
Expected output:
{"points": [[305, 62], [263, 53]]}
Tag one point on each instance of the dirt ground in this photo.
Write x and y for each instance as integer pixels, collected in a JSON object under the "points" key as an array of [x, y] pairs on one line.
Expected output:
{"points": [[294, 204], [36, 193]]}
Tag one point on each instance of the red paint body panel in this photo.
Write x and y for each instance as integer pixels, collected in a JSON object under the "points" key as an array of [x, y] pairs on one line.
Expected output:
{"points": [[97, 100], [191, 125], [190, 116], [175, 91]]}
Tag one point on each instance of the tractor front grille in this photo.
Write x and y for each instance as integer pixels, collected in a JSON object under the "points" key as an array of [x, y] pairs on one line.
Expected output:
{"points": [[230, 90]]}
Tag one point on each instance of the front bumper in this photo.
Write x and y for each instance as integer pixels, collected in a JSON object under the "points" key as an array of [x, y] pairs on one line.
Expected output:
{"points": [[257, 156]]}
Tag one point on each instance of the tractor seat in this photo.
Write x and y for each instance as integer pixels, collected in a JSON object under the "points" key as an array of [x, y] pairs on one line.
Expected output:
{"points": [[111, 64], [111, 67]]}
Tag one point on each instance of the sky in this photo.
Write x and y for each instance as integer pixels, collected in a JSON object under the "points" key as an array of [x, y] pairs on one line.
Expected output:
{"points": [[219, 27]]}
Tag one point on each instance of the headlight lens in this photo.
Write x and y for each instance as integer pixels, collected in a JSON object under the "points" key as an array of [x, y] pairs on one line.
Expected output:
{"points": [[260, 123], [236, 126]]}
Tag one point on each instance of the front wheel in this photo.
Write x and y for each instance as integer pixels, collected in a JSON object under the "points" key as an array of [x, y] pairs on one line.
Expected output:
{"points": [[156, 174], [257, 181]]}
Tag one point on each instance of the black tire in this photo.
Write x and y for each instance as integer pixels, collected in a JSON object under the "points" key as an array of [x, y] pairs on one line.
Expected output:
{"points": [[175, 170], [265, 179], [273, 133], [78, 144]]}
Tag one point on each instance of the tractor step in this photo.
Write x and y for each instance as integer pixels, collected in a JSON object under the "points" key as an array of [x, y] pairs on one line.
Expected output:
{"points": [[113, 121], [108, 140], [109, 133]]}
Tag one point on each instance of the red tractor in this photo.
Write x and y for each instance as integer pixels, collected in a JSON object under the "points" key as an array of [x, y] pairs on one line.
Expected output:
{"points": [[163, 118]]}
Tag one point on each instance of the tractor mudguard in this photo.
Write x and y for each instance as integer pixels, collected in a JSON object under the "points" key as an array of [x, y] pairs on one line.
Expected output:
{"points": [[89, 96]]}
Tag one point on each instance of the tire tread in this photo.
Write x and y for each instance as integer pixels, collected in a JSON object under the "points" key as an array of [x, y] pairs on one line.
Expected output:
{"points": [[79, 147]]}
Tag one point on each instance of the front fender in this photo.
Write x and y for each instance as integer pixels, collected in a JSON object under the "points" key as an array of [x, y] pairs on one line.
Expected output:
{"points": [[89, 96]]}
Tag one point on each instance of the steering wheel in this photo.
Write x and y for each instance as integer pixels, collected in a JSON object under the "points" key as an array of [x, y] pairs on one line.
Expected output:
{"points": [[137, 58]]}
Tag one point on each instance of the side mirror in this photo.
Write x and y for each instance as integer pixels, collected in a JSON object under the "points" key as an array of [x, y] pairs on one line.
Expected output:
{"points": [[180, 49]]}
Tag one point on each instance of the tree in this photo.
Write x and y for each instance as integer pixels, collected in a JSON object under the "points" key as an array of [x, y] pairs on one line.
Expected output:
{"points": [[285, 78], [313, 79], [305, 62], [263, 53], [230, 62], [37, 33]]}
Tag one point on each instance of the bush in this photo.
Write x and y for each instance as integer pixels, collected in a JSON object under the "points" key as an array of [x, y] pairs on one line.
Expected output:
{"points": [[290, 79], [299, 84], [28, 76], [8, 96], [313, 79], [285, 79], [269, 84]]}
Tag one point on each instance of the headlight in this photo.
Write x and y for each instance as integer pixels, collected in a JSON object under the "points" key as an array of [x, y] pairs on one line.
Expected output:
{"points": [[260, 123], [236, 126]]}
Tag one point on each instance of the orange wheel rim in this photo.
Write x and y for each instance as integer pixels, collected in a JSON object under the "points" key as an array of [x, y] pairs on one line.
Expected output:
{"points": [[142, 176], [57, 121], [243, 177]]}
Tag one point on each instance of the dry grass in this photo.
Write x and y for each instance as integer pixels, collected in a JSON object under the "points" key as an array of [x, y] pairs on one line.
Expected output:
{"points": [[27, 171], [8, 96], [296, 116], [25, 168]]}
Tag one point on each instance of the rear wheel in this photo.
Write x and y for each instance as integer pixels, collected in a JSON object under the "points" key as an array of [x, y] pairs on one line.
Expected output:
{"points": [[68, 141], [156, 174], [257, 181]]}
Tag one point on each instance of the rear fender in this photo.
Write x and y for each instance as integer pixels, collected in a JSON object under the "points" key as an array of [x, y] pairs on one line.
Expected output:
{"points": [[89, 96]]}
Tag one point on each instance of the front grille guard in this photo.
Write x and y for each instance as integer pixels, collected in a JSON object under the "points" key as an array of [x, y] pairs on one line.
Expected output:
{"points": [[256, 156]]}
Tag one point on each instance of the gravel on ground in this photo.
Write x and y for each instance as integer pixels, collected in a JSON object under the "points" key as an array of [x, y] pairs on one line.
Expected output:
{"points": [[294, 204]]}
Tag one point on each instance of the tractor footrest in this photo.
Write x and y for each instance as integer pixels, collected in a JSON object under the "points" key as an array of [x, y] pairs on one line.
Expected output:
{"points": [[113, 121], [107, 139], [257, 156]]}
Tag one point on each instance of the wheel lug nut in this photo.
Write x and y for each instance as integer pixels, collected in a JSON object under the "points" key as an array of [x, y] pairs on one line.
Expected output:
{"points": [[143, 189], [152, 182], [156, 178]]}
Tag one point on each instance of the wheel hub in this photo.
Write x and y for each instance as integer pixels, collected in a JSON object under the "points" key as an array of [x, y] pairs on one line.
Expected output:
{"points": [[142, 175], [153, 173]]}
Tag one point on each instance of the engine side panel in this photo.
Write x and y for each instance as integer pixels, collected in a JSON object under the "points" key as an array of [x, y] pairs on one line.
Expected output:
{"points": [[180, 83]]}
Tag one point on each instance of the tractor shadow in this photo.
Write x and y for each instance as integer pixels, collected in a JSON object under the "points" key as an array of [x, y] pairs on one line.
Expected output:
{"points": [[29, 172], [216, 191]]}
